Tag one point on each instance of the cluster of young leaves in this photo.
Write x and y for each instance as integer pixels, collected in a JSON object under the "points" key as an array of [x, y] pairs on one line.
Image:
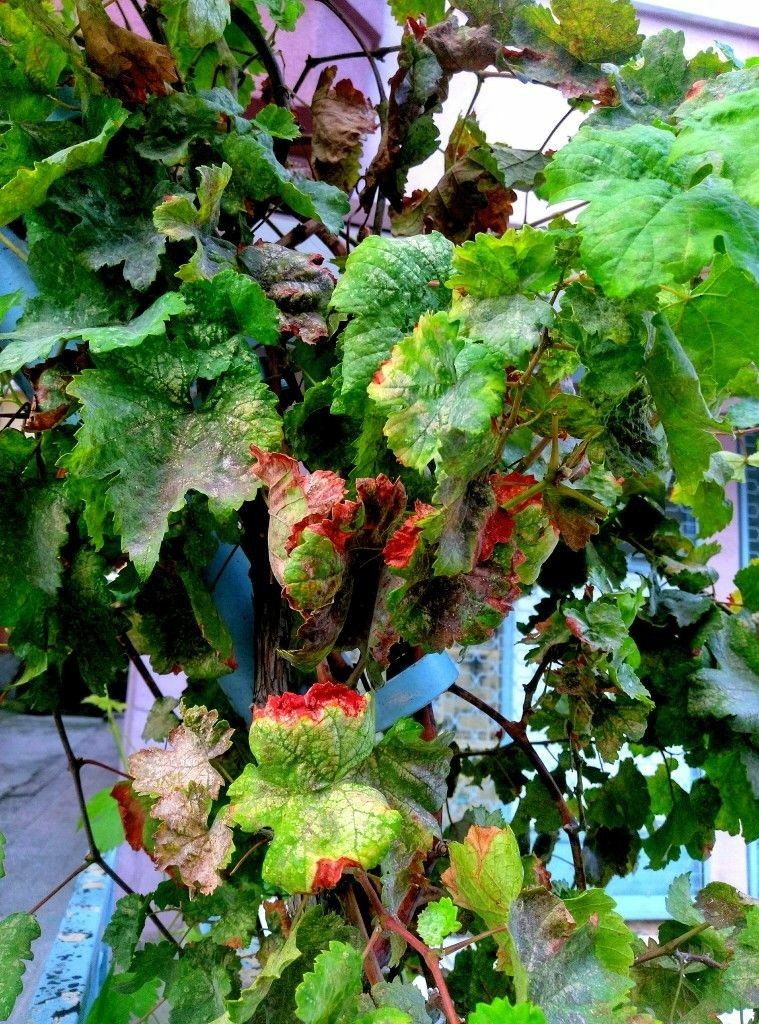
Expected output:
{"points": [[471, 412]]}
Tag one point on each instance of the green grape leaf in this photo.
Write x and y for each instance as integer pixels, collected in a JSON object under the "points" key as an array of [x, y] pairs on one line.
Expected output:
{"points": [[17, 933], [29, 187], [161, 719], [115, 1005], [438, 391], [518, 168], [735, 773], [485, 874], [501, 1011], [747, 580], [675, 388], [198, 22], [724, 129], [645, 226], [179, 219], [35, 516], [679, 902], [433, 10], [437, 921], [509, 325], [592, 32], [257, 174], [730, 689], [34, 340], [151, 456], [559, 966], [326, 994], [387, 285], [125, 928], [613, 939], [229, 304], [710, 322], [404, 998], [306, 748], [490, 266], [176, 622]]}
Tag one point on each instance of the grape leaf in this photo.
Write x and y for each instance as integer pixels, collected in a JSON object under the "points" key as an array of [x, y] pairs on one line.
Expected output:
{"points": [[17, 933], [590, 31], [438, 392], [114, 1006], [199, 22], [731, 688], [645, 226], [230, 304], [613, 939], [179, 219], [34, 340], [687, 423], [305, 748], [259, 175], [501, 1011], [485, 874], [152, 455], [132, 66], [35, 525], [747, 580], [710, 322], [192, 746], [186, 841], [297, 282], [387, 285], [29, 187], [161, 719], [342, 118], [490, 267], [125, 928], [328, 992], [294, 496], [725, 128], [437, 921]]}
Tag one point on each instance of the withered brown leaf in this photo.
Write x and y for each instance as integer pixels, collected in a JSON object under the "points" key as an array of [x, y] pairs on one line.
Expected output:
{"points": [[131, 67], [342, 118]]}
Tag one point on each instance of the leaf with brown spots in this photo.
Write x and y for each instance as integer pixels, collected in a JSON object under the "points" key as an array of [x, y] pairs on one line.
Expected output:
{"points": [[131, 67], [185, 840], [342, 118], [187, 761]]}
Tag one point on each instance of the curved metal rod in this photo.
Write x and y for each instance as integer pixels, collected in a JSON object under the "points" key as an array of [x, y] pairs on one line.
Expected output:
{"points": [[364, 49]]}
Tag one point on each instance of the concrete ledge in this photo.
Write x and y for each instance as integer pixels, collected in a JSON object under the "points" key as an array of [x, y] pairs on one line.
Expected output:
{"points": [[78, 962]]}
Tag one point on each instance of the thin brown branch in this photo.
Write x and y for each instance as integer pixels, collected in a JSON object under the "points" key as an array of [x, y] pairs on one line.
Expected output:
{"points": [[82, 761], [372, 969], [672, 945], [95, 854], [531, 687], [456, 946], [518, 733], [392, 924], [136, 659], [61, 885]]}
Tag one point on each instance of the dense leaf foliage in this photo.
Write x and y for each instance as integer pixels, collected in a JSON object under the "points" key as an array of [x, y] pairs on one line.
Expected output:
{"points": [[404, 440]]}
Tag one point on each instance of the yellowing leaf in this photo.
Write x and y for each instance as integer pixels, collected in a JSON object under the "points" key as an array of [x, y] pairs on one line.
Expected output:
{"points": [[192, 745]]}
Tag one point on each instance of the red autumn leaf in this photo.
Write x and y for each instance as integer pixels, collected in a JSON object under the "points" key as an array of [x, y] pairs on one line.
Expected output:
{"points": [[133, 813]]}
